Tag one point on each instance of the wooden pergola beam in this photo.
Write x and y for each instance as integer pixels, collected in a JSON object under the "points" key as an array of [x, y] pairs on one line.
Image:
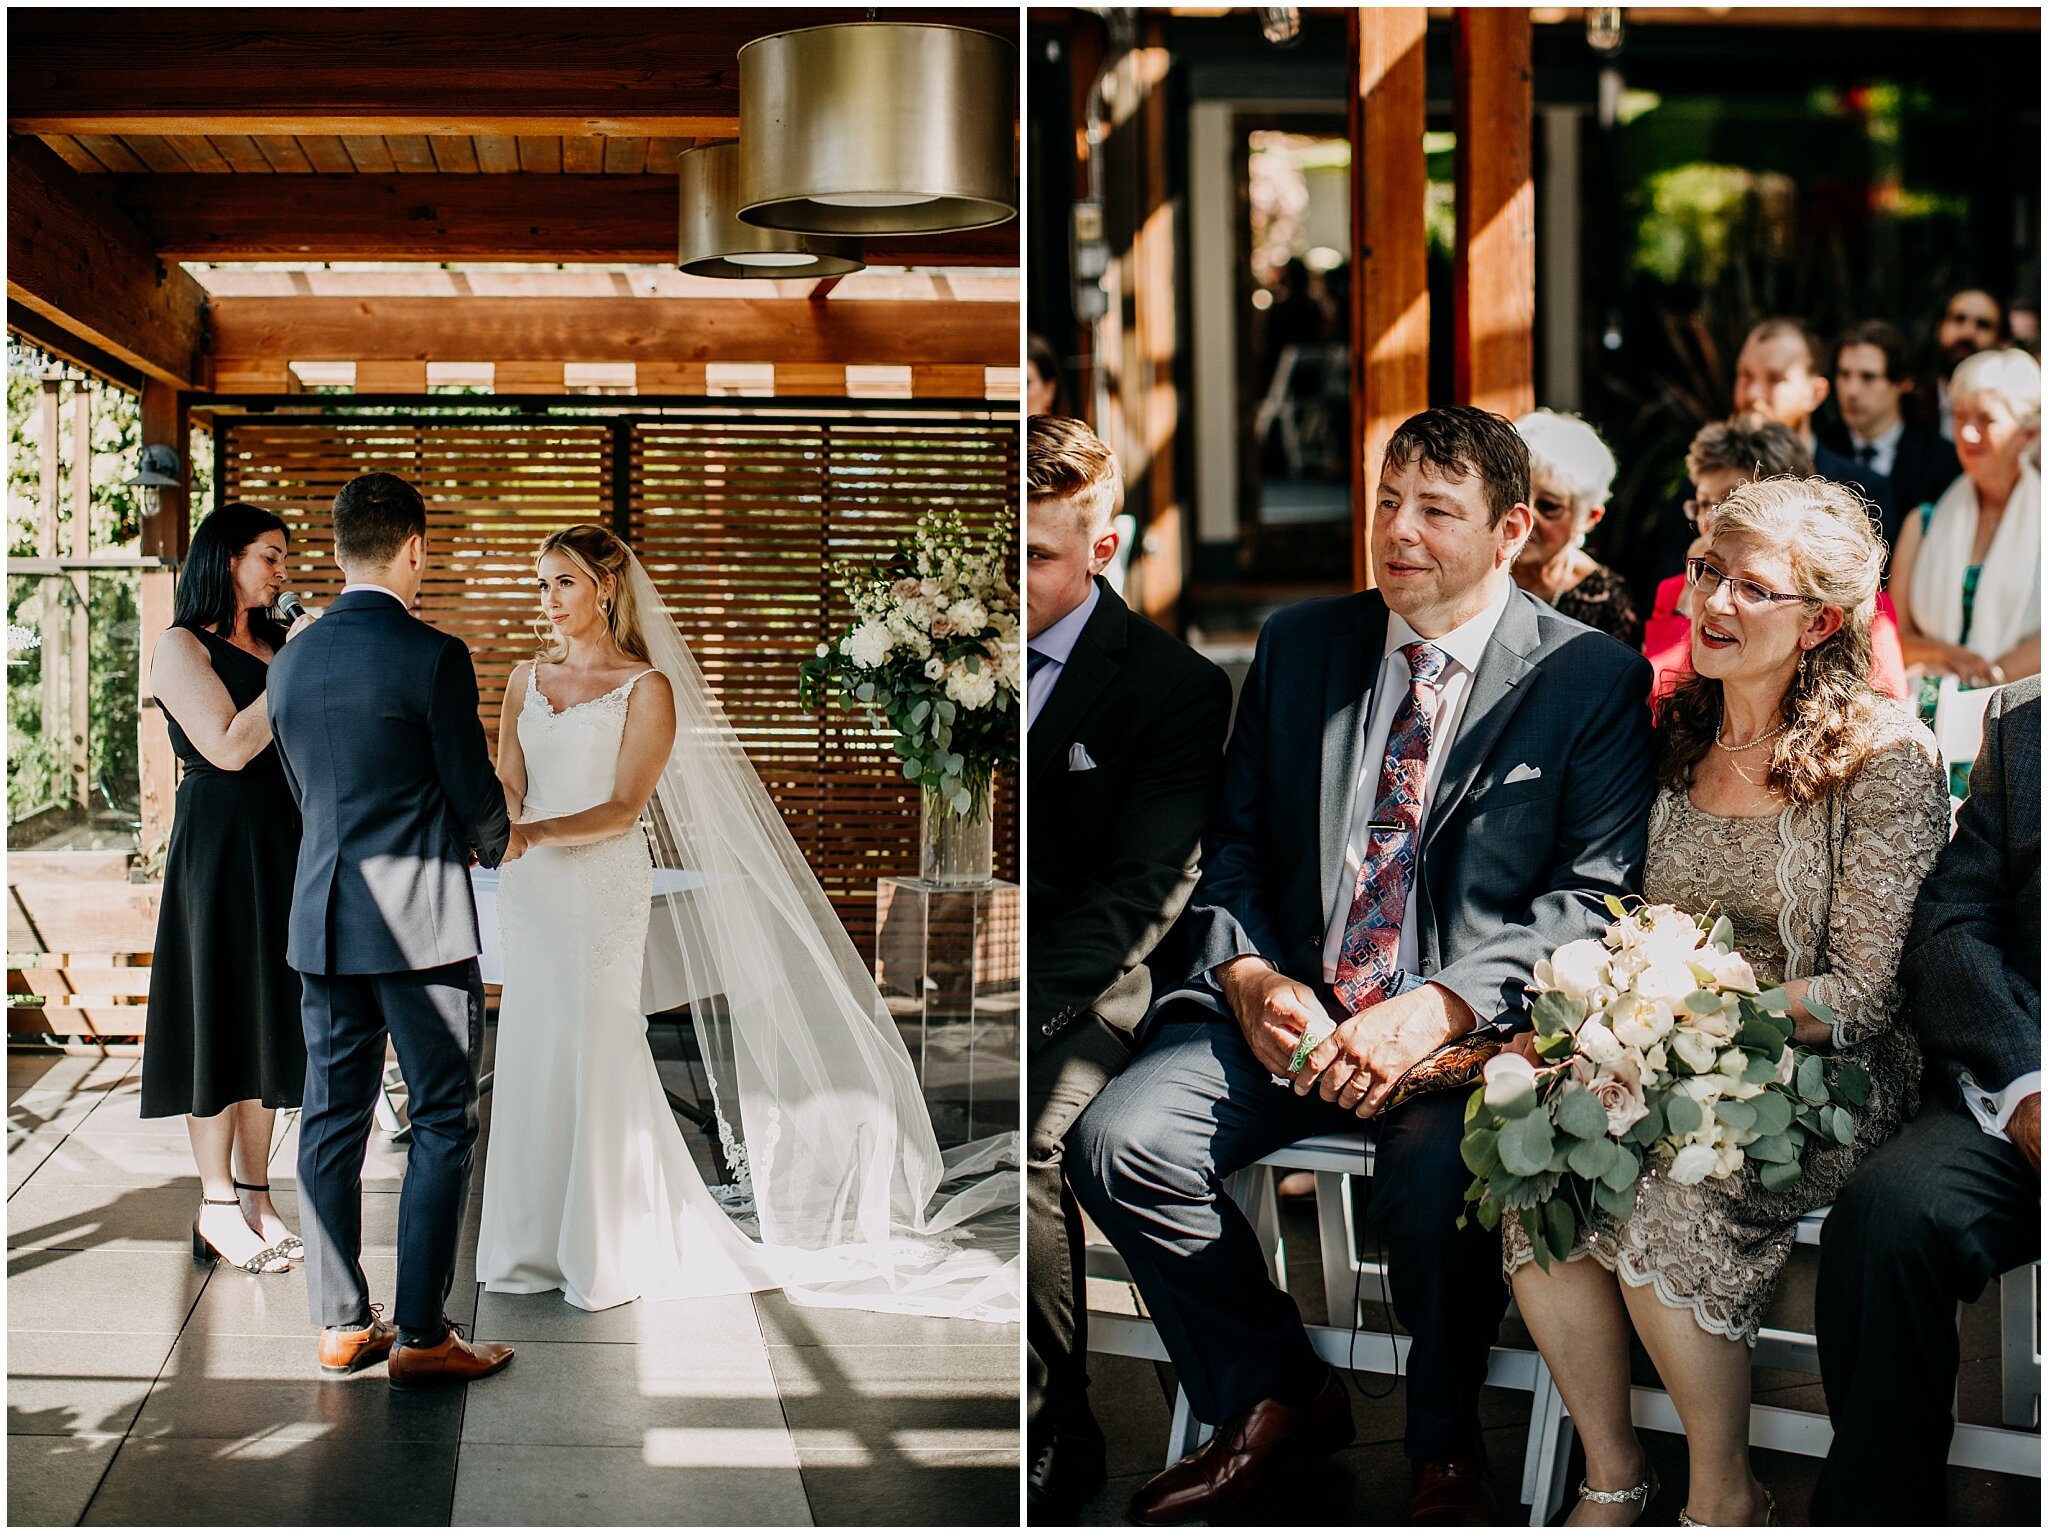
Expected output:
{"points": [[460, 218], [1493, 264], [248, 333], [85, 269], [658, 72], [1390, 284]]}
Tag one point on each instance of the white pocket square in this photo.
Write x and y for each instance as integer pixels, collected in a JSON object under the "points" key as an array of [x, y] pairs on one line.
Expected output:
{"points": [[1522, 774], [1078, 759]]}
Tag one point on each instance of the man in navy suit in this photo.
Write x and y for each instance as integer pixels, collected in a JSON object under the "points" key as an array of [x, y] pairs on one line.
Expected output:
{"points": [[1429, 787], [375, 716], [1871, 382]]}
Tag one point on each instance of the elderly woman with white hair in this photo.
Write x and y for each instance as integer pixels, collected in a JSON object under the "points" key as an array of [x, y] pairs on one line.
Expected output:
{"points": [[1570, 474], [1966, 576]]}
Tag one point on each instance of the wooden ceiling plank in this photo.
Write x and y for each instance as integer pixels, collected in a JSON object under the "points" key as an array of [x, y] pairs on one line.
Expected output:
{"points": [[625, 156], [453, 154], [497, 154], [411, 154], [159, 154], [368, 153], [81, 263], [199, 153], [540, 155], [373, 71], [328, 154], [662, 152], [285, 154], [583, 156], [74, 154], [112, 153], [248, 331], [241, 153]]}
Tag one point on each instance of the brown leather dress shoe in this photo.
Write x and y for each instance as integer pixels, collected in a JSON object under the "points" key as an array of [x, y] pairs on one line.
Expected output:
{"points": [[451, 1361], [1231, 1467], [1453, 1493], [345, 1349]]}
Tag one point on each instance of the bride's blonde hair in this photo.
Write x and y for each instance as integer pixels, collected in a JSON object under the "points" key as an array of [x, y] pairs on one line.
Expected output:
{"points": [[600, 555]]}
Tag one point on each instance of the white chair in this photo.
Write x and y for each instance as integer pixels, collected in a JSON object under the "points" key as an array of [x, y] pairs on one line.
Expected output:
{"points": [[1959, 721]]}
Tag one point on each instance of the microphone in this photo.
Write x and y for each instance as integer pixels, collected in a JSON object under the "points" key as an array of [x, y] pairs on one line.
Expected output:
{"points": [[291, 607]]}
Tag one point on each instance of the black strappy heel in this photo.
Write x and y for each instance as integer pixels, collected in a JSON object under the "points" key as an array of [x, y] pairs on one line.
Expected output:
{"points": [[271, 1259], [291, 1246]]}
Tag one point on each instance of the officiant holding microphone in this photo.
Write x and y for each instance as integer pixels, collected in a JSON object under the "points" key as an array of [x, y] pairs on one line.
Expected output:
{"points": [[1124, 732]]}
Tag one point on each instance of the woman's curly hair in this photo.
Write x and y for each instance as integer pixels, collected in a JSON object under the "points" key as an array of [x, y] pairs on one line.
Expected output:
{"points": [[1832, 713]]}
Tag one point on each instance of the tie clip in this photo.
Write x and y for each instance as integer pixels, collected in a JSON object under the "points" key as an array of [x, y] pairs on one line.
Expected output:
{"points": [[1388, 826]]}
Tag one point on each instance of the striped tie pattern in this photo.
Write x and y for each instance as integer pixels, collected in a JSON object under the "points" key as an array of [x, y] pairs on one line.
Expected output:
{"points": [[1370, 958]]}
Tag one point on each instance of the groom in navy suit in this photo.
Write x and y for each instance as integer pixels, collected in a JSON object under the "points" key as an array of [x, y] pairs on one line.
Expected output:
{"points": [[1430, 786], [375, 716]]}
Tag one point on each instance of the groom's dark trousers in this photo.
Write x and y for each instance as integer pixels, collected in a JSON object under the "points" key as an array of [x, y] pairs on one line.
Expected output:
{"points": [[1540, 812], [375, 715]]}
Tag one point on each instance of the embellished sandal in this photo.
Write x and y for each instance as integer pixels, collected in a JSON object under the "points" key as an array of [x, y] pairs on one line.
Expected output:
{"points": [[271, 1259], [1640, 1493], [1770, 1520], [291, 1245]]}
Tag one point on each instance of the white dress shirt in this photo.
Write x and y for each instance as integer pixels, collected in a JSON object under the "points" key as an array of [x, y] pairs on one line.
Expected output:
{"points": [[1884, 448], [1993, 1110], [373, 586], [1462, 646], [1056, 644]]}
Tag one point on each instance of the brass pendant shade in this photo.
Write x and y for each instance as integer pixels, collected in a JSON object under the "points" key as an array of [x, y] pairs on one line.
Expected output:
{"points": [[712, 242], [878, 127]]}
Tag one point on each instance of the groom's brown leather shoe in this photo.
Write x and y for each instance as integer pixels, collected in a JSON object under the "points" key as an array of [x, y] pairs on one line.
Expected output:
{"points": [[1244, 1454], [345, 1349], [451, 1361], [1451, 1493]]}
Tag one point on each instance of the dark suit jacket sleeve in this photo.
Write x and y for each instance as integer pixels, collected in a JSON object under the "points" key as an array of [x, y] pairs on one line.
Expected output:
{"points": [[1603, 821], [460, 756], [1969, 1003], [1147, 871], [1231, 913], [284, 759]]}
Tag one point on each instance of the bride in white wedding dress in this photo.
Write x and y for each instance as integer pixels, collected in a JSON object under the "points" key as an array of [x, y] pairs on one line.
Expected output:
{"points": [[618, 762]]}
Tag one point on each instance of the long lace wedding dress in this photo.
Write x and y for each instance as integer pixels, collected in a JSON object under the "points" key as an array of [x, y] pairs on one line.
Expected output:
{"points": [[841, 1196]]}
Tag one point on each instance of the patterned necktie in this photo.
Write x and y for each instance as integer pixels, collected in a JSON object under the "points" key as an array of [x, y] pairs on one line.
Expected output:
{"points": [[1370, 957], [1033, 660]]}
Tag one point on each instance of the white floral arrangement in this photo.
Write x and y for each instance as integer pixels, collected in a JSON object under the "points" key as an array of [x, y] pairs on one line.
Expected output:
{"points": [[935, 652], [1652, 1042]]}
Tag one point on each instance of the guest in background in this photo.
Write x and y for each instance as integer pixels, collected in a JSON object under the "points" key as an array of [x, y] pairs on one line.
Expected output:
{"points": [[1807, 810], [2023, 319], [1971, 321], [1955, 1199], [1916, 462], [1723, 457], [224, 1046], [1124, 750], [1045, 392], [1570, 473], [1966, 577]]}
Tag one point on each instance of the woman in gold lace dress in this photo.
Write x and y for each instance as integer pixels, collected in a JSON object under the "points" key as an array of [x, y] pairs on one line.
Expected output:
{"points": [[1807, 808]]}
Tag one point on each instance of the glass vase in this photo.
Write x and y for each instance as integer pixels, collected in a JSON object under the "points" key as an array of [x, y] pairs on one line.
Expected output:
{"points": [[955, 849]]}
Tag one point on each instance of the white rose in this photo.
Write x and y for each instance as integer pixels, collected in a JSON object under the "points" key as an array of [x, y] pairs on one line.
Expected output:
{"points": [[1731, 971], [824, 650], [1508, 1077], [1693, 1164], [1665, 980], [1575, 970], [1696, 1051], [1788, 1067], [1670, 925], [971, 689], [867, 645], [934, 669], [1720, 1025], [968, 616], [1598, 1043], [1728, 1160]]}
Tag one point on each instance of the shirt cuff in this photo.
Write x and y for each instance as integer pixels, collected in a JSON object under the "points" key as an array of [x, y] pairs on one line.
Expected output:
{"points": [[1993, 1110]]}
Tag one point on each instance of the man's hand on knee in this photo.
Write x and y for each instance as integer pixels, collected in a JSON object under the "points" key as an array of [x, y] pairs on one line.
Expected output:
{"points": [[1272, 1010], [2024, 1129]]}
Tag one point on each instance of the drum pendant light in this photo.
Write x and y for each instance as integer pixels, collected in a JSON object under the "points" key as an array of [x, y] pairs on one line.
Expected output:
{"points": [[878, 127], [712, 242]]}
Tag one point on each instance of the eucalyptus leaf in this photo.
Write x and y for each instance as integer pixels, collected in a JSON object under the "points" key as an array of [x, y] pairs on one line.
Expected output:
{"points": [[1773, 1113], [1555, 1012], [1525, 1145], [1591, 1158], [1532, 1227], [1562, 1225], [921, 713], [1812, 1079], [1618, 1202], [1622, 1171], [1723, 935], [1773, 1147], [911, 769], [865, 692], [1759, 1069], [1841, 1123], [1682, 1114], [963, 801], [1852, 1083], [1478, 1151], [1580, 1115], [1821, 1011], [1774, 1000], [1554, 1047], [1779, 1175], [1700, 1003], [1736, 1113], [1489, 1214]]}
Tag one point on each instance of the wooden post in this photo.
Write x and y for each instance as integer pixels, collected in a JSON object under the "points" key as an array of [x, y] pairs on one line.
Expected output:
{"points": [[81, 594], [167, 536], [1390, 282], [56, 632], [1494, 268]]}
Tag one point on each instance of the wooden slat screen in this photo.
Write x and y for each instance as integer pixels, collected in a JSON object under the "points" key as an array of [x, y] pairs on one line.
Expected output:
{"points": [[737, 520]]}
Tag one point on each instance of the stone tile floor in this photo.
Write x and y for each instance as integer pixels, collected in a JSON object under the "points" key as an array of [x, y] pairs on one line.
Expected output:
{"points": [[1367, 1484], [145, 1390]]}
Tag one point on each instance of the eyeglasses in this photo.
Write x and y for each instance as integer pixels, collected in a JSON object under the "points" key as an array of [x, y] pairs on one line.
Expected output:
{"points": [[1696, 509], [1550, 509], [1706, 580]]}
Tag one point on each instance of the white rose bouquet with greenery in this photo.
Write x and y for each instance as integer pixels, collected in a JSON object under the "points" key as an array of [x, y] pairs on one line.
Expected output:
{"points": [[933, 650], [1651, 1041]]}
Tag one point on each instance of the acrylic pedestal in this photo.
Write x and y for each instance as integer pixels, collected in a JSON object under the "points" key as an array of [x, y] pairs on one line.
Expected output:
{"points": [[947, 960]]}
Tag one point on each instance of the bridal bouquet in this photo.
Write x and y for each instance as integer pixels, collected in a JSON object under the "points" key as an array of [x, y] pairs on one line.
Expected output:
{"points": [[934, 650], [1653, 1041]]}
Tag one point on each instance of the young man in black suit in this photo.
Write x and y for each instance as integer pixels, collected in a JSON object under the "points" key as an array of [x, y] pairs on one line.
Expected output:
{"points": [[1430, 786], [1914, 460], [1124, 734], [375, 716]]}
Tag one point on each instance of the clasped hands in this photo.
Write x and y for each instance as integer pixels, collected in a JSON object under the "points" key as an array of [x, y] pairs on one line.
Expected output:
{"points": [[1362, 1057]]}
